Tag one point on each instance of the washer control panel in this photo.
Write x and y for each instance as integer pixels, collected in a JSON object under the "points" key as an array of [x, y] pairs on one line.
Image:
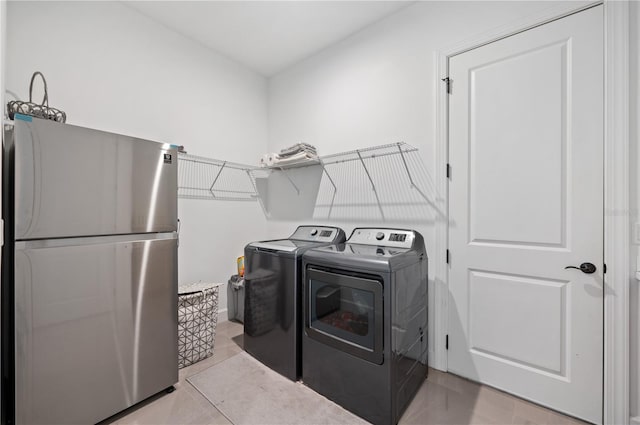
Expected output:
{"points": [[315, 233], [398, 238]]}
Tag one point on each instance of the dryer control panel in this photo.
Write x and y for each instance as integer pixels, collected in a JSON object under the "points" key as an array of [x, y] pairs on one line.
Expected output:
{"points": [[397, 238], [316, 234]]}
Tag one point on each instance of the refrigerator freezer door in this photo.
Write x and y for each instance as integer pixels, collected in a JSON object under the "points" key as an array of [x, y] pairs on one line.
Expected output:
{"points": [[96, 326], [74, 181]]}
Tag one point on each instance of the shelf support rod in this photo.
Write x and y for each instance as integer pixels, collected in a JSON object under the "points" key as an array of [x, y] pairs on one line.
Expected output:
{"points": [[289, 178], [257, 195], [335, 189], [373, 186], [406, 167], [216, 179]]}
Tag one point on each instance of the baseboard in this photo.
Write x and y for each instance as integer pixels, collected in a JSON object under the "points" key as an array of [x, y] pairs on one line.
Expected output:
{"points": [[635, 420], [433, 363], [223, 315]]}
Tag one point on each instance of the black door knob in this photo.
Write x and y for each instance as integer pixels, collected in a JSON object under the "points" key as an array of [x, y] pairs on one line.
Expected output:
{"points": [[587, 268]]}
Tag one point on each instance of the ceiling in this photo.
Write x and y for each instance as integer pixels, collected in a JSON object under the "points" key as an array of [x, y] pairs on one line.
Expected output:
{"points": [[267, 36]]}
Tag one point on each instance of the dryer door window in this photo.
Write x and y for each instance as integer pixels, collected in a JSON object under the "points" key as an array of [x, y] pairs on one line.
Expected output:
{"points": [[345, 312]]}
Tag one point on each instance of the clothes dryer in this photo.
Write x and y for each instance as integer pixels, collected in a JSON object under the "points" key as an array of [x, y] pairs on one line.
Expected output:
{"points": [[365, 321]]}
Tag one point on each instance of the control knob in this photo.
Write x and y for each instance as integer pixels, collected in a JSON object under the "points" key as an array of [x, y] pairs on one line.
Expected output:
{"points": [[314, 232], [379, 236]]}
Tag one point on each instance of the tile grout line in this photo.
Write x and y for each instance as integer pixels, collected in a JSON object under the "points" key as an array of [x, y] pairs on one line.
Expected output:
{"points": [[207, 398], [187, 380]]}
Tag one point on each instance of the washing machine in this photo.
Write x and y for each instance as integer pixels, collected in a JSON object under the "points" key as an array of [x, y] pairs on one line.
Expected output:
{"points": [[364, 344], [272, 302]]}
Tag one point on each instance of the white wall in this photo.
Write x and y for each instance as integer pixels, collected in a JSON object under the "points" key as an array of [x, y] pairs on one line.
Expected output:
{"points": [[634, 134], [113, 69], [378, 87]]}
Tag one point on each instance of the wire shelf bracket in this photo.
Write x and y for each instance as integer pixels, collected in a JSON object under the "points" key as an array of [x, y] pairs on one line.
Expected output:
{"points": [[335, 188], [373, 185]]}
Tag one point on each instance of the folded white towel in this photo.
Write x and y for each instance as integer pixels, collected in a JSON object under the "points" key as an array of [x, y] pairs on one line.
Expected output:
{"points": [[275, 160], [298, 147], [293, 159], [286, 155]]}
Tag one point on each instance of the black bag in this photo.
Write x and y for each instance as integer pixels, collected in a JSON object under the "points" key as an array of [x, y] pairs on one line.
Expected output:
{"points": [[34, 109]]}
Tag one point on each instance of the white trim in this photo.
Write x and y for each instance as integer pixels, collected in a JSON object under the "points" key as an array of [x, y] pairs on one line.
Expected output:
{"points": [[441, 268], [223, 315], [616, 208], [616, 344]]}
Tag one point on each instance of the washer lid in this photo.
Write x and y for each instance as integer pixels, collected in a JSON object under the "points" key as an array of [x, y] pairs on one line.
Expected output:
{"points": [[286, 245]]}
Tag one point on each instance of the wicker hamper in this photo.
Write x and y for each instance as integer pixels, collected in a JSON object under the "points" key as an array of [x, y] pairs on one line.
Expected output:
{"points": [[197, 319]]}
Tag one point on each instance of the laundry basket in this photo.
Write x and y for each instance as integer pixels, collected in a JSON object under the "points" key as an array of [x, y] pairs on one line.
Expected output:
{"points": [[197, 320]]}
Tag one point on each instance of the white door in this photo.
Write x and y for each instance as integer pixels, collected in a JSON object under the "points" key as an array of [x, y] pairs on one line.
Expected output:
{"points": [[526, 200]]}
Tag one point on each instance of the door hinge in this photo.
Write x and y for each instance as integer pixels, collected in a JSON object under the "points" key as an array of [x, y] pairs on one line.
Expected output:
{"points": [[448, 170], [447, 80], [446, 342], [604, 268], [447, 256]]}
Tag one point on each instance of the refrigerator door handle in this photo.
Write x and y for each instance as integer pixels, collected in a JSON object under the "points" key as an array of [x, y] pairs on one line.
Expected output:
{"points": [[93, 240], [27, 179]]}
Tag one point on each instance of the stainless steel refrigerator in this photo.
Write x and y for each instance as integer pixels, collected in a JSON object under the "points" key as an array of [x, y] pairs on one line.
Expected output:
{"points": [[89, 272]]}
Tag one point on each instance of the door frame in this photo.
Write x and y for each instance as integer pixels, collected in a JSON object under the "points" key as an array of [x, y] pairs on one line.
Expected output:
{"points": [[616, 192]]}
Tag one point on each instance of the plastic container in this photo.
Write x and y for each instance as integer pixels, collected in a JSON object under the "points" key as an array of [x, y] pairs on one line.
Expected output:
{"points": [[235, 298], [240, 262]]}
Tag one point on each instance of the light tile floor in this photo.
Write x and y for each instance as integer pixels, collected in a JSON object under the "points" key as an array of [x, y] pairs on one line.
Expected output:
{"points": [[442, 399]]}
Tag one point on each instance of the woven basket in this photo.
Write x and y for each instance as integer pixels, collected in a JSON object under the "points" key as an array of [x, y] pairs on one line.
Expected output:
{"points": [[197, 320], [42, 110]]}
